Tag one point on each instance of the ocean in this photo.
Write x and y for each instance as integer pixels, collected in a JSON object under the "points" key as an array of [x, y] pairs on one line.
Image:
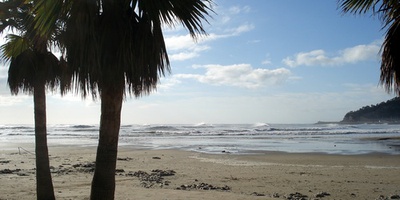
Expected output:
{"points": [[227, 138]]}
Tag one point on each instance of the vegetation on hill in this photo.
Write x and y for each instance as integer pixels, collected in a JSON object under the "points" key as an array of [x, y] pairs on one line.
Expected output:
{"points": [[384, 112]]}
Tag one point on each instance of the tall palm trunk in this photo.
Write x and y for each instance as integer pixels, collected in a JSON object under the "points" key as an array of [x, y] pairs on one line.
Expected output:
{"points": [[44, 184], [103, 184]]}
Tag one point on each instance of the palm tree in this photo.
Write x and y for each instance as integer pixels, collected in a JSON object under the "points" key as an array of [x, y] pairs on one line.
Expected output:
{"points": [[116, 48], [389, 13], [32, 69]]}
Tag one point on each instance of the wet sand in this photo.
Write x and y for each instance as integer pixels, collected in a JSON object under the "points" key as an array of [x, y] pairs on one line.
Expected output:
{"points": [[176, 174]]}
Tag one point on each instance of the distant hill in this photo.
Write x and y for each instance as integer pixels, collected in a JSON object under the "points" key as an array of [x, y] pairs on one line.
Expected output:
{"points": [[385, 112]]}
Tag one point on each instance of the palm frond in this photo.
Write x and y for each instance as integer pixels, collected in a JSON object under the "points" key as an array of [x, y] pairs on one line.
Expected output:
{"points": [[390, 65], [12, 14], [30, 68], [65, 76], [357, 6], [389, 12], [15, 46], [81, 43], [149, 58], [21, 72], [50, 10], [190, 13]]}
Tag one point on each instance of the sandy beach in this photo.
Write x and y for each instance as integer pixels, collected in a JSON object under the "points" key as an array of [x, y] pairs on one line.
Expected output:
{"points": [[177, 174]]}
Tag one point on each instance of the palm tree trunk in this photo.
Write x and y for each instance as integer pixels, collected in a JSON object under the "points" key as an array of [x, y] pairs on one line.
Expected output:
{"points": [[44, 184], [103, 184]]}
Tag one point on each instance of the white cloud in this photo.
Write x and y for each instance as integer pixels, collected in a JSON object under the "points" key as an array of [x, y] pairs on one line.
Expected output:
{"points": [[266, 62], [241, 29], [360, 53], [179, 42], [226, 15], [184, 55], [225, 19], [349, 55], [184, 47], [239, 75], [239, 9], [167, 83]]}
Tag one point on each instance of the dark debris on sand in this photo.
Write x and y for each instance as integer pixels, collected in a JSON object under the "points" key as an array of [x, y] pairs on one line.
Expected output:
{"points": [[382, 197], [9, 171], [203, 186], [4, 161], [299, 196], [85, 167], [155, 178], [18, 172], [124, 159], [296, 196], [257, 194]]}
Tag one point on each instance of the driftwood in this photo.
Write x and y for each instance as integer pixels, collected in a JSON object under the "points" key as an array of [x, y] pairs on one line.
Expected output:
{"points": [[20, 148]]}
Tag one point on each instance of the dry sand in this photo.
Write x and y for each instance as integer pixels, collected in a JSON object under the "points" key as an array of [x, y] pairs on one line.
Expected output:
{"points": [[266, 175]]}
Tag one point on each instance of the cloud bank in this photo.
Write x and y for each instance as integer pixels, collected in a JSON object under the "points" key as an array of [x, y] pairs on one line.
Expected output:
{"points": [[238, 75], [347, 56]]}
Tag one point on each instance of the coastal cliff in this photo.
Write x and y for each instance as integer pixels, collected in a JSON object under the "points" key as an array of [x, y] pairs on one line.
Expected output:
{"points": [[384, 112]]}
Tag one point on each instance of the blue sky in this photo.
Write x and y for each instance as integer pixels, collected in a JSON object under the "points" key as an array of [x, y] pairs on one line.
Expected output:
{"points": [[261, 62]]}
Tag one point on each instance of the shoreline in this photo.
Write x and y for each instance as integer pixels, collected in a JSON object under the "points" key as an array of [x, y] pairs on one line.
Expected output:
{"points": [[265, 175], [30, 147]]}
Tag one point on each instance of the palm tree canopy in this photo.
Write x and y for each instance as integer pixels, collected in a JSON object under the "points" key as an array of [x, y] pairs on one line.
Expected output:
{"points": [[28, 55], [120, 44], [28, 66], [10, 16], [389, 12]]}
